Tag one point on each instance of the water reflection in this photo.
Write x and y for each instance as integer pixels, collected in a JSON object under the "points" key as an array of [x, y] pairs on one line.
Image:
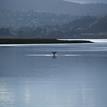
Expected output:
{"points": [[28, 92], [6, 95]]}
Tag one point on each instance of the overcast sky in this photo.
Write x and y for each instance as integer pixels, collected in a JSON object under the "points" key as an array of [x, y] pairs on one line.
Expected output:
{"points": [[88, 1], [77, 1]]}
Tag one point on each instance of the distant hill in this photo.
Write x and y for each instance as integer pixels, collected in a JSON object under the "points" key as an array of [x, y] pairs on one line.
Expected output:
{"points": [[55, 6], [16, 19], [91, 25], [87, 27], [83, 27], [99, 26]]}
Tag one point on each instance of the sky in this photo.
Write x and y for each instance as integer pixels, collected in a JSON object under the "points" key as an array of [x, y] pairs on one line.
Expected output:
{"points": [[78, 1], [4, 2], [88, 1]]}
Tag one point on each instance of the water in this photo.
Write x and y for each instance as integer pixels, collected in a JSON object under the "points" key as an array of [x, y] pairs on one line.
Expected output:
{"points": [[31, 77]]}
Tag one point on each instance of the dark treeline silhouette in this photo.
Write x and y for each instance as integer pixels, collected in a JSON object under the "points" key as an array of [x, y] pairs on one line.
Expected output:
{"points": [[38, 41]]}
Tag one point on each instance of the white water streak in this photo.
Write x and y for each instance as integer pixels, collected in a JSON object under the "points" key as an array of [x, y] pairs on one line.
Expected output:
{"points": [[64, 55]]}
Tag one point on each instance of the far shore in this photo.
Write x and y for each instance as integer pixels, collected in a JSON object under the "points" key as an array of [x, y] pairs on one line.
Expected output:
{"points": [[39, 41]]}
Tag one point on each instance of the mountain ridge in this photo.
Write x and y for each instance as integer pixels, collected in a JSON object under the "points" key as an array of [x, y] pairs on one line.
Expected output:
{"points": [[84, 27]]}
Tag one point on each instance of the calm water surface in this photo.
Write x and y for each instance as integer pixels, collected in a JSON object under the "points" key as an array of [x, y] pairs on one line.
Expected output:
{"points": [[31, 77]]}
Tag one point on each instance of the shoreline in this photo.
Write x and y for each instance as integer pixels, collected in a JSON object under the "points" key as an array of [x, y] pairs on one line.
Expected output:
{"points": [[39, 41]]}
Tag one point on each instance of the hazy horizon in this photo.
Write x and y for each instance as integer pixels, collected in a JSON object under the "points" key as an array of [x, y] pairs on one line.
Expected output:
{"points": [[5, 2], [87, 1]]}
